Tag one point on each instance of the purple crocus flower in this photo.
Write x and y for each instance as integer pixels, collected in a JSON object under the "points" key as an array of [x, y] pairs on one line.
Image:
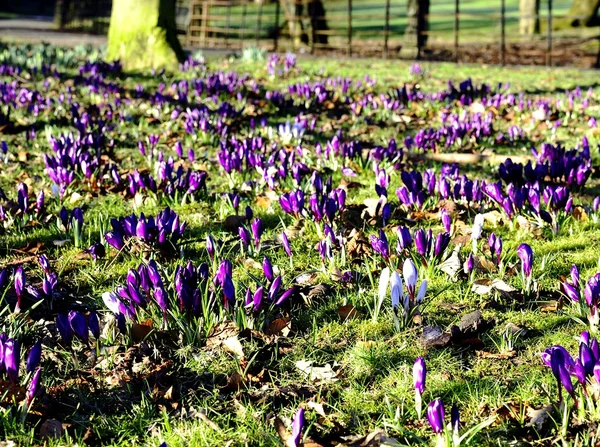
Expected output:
{"points": [[284, 296], [257, 298], [286, 244], [297, 424], [435, 415], [268, 269], [244, 236], [419, 375], [210, 247], [34, 385], [421, 242], [525, 253], [19, 279], [96, 250], [380, 245], [34, 357], [115, 239], [455, 418], [12, 359], [44, 263], [404, 239], [257, 231], [446, 220], [78, 325], [94, 324]]}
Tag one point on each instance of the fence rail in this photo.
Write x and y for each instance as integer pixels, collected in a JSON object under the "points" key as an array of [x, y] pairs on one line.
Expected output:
{"points": [[475, 31]]}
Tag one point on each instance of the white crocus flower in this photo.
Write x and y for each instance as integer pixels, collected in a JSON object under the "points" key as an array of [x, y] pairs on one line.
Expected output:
{"points": [[422, 291], [477, 230], [111, 301], [411, 274], [396, 286]]}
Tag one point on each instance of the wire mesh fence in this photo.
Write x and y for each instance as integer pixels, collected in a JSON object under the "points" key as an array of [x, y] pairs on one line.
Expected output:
{"points": [[483, 31]]}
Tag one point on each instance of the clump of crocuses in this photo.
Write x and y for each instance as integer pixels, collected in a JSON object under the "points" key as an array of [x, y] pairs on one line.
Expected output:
{"points": [[586, 297], [448, 435], [584, 369], [10, 366], [161, 232]]}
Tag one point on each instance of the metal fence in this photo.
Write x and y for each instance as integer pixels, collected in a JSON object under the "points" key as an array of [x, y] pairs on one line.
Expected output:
{"points": [[481, 31]]}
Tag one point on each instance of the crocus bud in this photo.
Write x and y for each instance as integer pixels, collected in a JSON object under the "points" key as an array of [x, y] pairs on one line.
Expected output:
{"points": [[244, 236], [34, 385], [419, 374], [286, 244], [111, 301], [469, 264], [94, 325], [435, 415], [153, 274], [257, 298], [268, 269], [477, 229], [446, 220], [12, 359], [257, 231], [20, 279], [34, 357], [284, 296], [297, 424], [210, 247], [455, 418], [115, 239], [44, 263], [411, 274], [396, 287], [78, 324], [525, 253]]}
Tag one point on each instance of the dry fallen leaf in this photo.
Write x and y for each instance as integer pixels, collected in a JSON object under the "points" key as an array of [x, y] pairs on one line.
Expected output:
{"points": [[233, 345], [348, 312], [51, 429], [317, 373], [140, 331], [280, 326]]}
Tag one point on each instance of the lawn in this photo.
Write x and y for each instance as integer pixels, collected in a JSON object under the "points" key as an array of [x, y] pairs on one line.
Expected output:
{"points": [[480, 21], [265, 250]]}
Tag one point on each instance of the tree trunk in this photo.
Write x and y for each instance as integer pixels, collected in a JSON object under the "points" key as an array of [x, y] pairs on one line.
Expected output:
{"points": [[143, 34], [415, 34], [583, 12], [293, 15], [318, 22], [529, 22], [61, 10]]}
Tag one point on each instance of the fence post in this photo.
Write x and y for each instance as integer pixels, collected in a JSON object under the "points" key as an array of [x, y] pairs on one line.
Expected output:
{"points": [[456, 22], [244, 12], [549, 36], [205, 15], [228, 24], [502, 32], [349, 27], [276, 35], [386, 32], [313, 20], [259, 23]]}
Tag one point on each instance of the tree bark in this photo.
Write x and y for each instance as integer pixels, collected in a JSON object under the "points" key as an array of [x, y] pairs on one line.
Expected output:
{"points": [[318, 22], [415, 34], [143, 34], [529, 22], [583, 12]]}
